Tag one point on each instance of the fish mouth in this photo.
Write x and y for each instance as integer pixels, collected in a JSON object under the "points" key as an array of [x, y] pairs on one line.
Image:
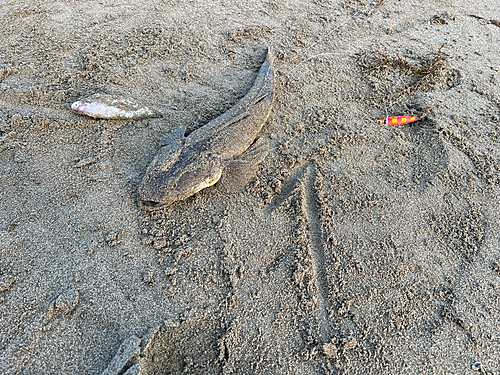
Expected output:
{"points": [[150, 205]]}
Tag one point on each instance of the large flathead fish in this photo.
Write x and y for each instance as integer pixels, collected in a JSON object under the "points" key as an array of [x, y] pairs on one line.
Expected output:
{"points": [[225, 149]]}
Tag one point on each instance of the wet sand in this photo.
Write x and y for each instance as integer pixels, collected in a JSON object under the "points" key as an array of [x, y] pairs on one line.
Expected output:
{"points": [[359, 248]]}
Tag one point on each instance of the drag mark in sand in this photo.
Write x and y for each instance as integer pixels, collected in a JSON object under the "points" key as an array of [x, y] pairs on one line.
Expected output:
{"points": [[287, 191], [301, 185], [310, 211]]}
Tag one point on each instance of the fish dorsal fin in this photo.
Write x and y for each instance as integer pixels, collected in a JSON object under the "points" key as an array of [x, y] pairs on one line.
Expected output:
{"points": [[167, 155], [175, 136], [171, 149]]}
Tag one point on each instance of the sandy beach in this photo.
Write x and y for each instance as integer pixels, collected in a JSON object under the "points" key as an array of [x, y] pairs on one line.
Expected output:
{"points": [[358, 248]]}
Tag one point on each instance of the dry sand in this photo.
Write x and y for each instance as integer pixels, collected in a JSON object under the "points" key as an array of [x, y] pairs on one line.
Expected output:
{"points": [[359, 248]]}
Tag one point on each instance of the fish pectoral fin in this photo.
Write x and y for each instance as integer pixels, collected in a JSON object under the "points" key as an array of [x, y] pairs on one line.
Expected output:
{"points": [[257, 152], [175, 136], [238, 172]]}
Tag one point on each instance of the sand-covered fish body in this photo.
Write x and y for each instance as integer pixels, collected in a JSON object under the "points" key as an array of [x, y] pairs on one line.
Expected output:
{"points": [[113, 107], [225, 149]]}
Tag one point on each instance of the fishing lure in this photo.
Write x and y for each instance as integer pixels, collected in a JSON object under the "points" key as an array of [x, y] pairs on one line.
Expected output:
{"points": [[398, 120]]}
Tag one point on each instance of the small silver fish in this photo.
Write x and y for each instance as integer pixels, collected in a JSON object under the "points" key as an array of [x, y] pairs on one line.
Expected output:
{"points": [[112, 107]]}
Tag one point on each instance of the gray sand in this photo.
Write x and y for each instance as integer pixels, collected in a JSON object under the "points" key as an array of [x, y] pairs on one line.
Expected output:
{"points": [[359, 248]]}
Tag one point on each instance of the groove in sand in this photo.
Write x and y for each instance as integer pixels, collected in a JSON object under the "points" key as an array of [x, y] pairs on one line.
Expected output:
{"points": [[310, 209]]}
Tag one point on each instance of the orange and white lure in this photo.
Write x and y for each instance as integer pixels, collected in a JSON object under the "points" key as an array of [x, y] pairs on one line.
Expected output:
{"points": [[398, 120]]}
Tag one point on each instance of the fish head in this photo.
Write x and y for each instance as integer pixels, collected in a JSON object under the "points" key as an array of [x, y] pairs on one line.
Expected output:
{"points": [[79, 106], [163, 187]]}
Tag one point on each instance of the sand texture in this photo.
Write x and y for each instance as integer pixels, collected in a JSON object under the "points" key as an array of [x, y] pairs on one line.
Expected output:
{"points": [[358, 248]]}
